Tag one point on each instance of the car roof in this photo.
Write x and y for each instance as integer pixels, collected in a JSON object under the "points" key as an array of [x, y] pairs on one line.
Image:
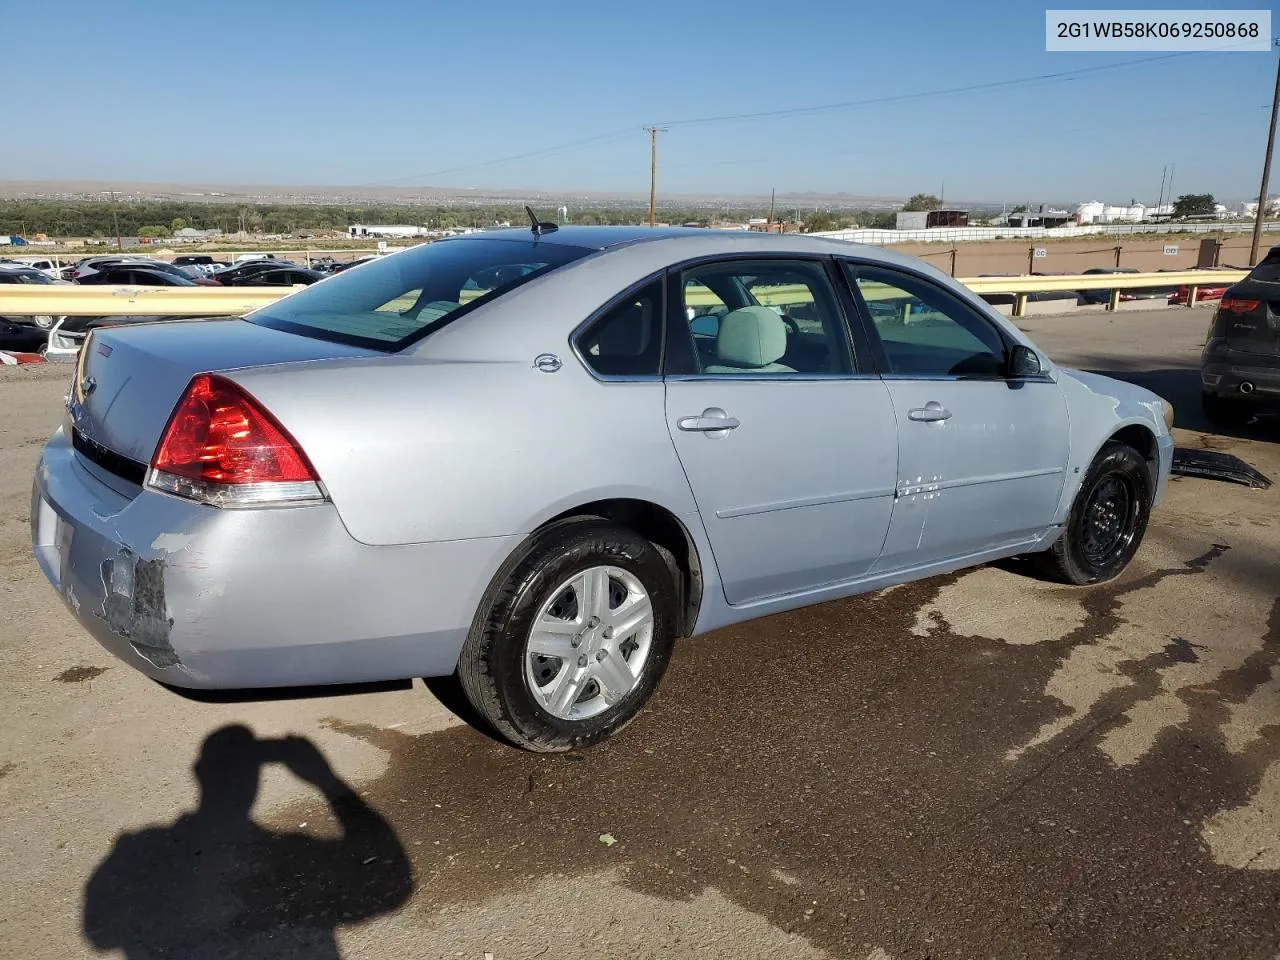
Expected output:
{"points": [[693, 242]]}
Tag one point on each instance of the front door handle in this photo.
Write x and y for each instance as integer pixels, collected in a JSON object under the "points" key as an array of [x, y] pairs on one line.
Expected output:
{"points": [[712, 420], [931, 412]]}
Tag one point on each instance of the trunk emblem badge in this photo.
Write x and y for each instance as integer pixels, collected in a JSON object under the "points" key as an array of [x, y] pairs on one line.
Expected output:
{"points": [[547, 362]]}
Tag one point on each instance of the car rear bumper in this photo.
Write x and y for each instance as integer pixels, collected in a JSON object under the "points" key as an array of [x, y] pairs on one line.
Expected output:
{"points": [[200, 597], [1225, 372]]}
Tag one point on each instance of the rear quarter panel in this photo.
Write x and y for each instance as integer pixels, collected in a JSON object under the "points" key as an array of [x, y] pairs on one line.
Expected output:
{"points": [[413, 449]]}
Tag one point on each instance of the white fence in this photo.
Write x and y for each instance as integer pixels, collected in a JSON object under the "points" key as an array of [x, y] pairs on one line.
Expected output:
{"points": [[960, 234]]}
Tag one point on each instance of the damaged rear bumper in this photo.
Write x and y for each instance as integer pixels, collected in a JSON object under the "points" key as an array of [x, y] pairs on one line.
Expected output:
{"points": [[195, 596]]}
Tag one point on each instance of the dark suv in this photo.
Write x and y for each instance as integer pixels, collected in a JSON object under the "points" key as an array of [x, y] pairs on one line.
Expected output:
{"points": [[1240, 365]]}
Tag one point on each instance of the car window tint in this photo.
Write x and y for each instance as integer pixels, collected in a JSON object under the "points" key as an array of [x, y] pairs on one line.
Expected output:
{"points": [[1268, 271], [764, 317], [626, 341], [703, 308], [925, 330], [398, 299]]}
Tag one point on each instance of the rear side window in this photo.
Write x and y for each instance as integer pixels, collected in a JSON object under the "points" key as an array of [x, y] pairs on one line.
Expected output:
{"points": [[1268, 271], [626, 341], [393, 301]]}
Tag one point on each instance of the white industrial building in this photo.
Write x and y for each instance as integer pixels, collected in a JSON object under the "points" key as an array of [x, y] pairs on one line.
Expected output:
{"points": [[1097, 212], [387, 230]]}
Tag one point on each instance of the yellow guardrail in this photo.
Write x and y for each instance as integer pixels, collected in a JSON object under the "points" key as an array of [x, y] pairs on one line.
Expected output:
{"points": [[25, 300], [22, 300]]}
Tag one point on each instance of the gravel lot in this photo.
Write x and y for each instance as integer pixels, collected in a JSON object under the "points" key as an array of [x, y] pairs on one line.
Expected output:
{"points": [[980, 765]]}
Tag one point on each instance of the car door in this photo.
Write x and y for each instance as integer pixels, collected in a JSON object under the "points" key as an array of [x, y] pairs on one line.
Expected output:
{"points": [[982, 455], [789, 444]]}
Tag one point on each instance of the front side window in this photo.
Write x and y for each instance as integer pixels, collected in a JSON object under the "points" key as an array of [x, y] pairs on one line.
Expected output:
{"points": [[751, 317], [393, 301], [926, 331], [626, 341]]}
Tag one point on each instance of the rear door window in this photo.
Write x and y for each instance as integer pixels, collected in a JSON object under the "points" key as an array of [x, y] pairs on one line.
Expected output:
{"points": [[626, 341]]}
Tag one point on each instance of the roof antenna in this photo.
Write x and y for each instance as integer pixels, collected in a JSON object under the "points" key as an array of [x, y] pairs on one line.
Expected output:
{"points": [[539, 226]]}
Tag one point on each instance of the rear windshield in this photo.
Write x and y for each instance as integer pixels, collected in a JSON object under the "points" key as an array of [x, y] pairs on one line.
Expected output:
{"points": [[393, 301]]}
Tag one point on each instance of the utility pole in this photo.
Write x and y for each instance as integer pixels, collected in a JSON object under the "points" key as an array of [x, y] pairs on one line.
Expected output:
{"points": [[773, 195], [653, 173], [115, 216], [1160, 200], [1266, 172]]}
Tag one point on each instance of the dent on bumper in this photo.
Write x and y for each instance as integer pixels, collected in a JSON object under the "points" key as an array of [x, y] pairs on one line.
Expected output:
{"points": [[195, 596]]}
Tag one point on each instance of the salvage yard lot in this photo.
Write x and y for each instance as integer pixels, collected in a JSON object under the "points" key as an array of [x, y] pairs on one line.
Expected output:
{"points": [[975, 765]]}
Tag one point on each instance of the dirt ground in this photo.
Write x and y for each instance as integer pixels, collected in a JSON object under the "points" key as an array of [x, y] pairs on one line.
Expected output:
{"points": [[981, 765]]}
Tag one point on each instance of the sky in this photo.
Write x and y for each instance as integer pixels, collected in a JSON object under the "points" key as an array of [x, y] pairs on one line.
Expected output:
{"points": [[422, 93]]}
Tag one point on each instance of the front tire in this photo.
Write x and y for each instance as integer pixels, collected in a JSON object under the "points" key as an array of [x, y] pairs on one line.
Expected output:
{"points": [[572, 637], [1107, 521]]}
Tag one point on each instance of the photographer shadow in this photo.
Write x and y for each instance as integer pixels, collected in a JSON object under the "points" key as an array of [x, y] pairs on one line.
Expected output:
{"points": [[217, 884]]}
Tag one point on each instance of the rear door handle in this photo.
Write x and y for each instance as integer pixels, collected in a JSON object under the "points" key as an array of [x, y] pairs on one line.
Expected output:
{"points": [[931, 412], [712, 420]]}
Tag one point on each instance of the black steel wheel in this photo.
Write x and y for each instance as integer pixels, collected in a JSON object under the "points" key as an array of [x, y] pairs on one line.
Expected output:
{"points": [[1107, 521]]}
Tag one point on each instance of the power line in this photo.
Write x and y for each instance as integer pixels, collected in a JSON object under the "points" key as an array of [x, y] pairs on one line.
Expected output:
{"points": [[925, 94], [622, 133], [598, 139]]}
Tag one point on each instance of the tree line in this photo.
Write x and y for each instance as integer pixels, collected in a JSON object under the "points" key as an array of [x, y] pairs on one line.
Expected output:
{"points": [[159, 218]]}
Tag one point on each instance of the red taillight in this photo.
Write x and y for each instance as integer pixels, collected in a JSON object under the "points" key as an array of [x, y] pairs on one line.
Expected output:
{"points": [[1236, 305], [221, 446]]}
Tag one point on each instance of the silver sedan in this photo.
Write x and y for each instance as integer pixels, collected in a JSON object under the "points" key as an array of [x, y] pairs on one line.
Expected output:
{"points": [[534, 458]]}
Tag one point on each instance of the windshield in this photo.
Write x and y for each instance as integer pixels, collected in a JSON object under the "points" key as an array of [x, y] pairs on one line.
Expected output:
{"points": [[398, 299]]}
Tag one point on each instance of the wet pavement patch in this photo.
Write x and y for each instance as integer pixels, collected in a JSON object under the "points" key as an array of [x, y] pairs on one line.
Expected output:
{"points": [[870, 767], [80, 674]]}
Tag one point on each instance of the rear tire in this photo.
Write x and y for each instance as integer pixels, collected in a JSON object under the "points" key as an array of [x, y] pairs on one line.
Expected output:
{"points": [[542, 664], [1223, 412], [1107, 521]]}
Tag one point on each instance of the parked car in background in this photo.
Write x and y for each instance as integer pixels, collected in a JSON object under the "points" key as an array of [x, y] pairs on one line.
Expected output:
{"points": [[144, 275], [1038, 296], [275, 276], [1132, 293], [232, 276], [51, 266], [15, 273], [22, 337], [340, 267], [362, 467], [88, 266], [1240, 364], [1203, 294]]}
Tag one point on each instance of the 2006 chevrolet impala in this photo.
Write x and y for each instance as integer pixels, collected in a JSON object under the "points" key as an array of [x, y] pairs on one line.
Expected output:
{"points": [[536, 457]]}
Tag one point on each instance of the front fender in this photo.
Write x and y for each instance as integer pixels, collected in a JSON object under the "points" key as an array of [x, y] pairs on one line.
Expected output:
{"points": [[1098, 408]]}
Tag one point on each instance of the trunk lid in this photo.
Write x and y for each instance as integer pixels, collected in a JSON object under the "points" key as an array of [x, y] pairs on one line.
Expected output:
{"points": [[129, 378]]}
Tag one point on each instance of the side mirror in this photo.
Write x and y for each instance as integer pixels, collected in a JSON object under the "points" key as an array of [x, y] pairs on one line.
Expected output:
{"points": [[1024, 362]]}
